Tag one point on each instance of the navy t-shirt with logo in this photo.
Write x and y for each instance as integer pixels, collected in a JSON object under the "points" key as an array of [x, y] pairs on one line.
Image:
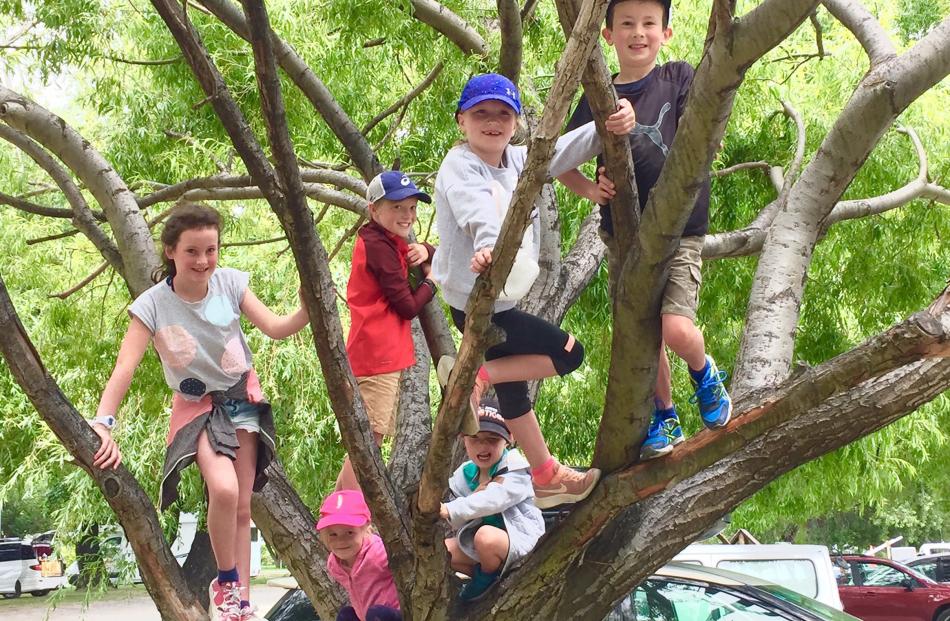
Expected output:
{"points": [[658, 100]]}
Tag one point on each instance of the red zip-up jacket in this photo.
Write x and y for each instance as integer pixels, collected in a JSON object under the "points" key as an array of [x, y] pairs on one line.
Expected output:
{"points": [[382, 302]]}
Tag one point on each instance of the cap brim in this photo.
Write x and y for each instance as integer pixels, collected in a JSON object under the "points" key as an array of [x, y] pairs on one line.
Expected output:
{"points": [[341, 520], [401, 193], [480, 98], [494, 428]]}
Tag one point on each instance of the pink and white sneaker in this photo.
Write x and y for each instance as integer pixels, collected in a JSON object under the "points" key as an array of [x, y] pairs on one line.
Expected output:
{"points": [[225, 601]]}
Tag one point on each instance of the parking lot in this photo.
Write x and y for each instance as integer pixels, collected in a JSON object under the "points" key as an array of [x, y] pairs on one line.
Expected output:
{"points": [[122, 604]]}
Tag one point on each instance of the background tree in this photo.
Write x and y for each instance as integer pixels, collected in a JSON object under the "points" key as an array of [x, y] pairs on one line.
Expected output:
{"points": [[169, 138]]}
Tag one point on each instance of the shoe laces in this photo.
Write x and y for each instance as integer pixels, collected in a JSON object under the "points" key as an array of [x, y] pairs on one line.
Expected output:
{"points": [[568, 475], [232, 596], [247, 613], [711, 389]]}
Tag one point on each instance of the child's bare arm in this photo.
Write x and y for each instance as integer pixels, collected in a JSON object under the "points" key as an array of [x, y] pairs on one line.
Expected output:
{"points": [[133, 347], [600, 192], [270, 323]]}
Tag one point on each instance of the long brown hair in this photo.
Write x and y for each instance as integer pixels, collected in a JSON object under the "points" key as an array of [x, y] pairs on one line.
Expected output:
{"points": [[185, 216]]}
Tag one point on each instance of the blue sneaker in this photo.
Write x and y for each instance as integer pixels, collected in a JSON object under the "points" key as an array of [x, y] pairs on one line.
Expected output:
{"points": [[715, 406], [479, 583], [664, 433]]}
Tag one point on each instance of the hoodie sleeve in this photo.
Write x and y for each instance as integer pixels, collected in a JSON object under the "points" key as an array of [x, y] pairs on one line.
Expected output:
{"points": [[470, 198], [495, 498], [382, 260], [574, 148]]}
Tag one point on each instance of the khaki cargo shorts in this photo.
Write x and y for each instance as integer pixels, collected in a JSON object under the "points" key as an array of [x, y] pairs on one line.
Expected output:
{"points": [[381, 395], [681, 295]]}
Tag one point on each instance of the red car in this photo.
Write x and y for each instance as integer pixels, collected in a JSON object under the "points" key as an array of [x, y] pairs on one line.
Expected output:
{"points": [[876, 589]]}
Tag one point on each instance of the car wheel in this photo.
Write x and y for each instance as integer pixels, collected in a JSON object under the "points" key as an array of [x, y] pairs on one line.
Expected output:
{"points": [[39, 593], [943, 615], [17, 590]]}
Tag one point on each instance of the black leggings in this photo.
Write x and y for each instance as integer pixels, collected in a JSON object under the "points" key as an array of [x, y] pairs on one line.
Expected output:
{"points": [[525, 335]]}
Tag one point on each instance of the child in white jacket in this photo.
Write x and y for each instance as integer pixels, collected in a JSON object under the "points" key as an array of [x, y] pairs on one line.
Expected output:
{"points": [[493, 512]]}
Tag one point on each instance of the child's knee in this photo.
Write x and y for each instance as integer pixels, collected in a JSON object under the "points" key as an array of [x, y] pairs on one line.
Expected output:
{"points": [[678, 329], [224, 492], [570, 358], [491, 540]]}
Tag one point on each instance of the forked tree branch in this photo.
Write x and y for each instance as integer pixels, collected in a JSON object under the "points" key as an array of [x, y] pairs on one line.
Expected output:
{"points": [[132, 237], [865, 28]]}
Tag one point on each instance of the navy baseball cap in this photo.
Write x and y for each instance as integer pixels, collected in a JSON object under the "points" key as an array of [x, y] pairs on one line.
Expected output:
{"points": [[490, 86], [394, 185]]}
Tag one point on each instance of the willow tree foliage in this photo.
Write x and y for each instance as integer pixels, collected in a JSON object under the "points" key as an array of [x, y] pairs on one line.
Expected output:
{"points": [[829, 148]]}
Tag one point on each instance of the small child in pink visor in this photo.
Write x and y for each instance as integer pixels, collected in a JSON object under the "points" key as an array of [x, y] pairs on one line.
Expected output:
{"points": [[357, 559]]}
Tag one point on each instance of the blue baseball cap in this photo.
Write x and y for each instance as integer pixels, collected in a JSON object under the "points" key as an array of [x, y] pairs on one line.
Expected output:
{"points": [[394, 185], [490, 86]]}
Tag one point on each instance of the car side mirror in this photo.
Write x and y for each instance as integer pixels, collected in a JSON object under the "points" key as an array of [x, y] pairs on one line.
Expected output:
{"points": [[908, 583]]}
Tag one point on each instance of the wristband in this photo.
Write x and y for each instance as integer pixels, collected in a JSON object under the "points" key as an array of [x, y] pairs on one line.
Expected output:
{"points": [[431, 283], [106, 421]]}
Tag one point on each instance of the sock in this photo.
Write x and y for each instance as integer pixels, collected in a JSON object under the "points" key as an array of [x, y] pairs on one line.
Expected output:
{"points": [[227, 575], [699, 375], [545, 472], [245, 603], [663, 412], [483, 374]]}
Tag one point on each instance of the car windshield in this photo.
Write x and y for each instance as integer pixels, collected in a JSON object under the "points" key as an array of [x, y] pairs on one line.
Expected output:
{"points": [[660, 599], [822, 611]]}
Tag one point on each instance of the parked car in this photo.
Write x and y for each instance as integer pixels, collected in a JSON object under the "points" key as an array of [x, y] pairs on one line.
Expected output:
{"points": [[677, 592], [28, 568], [935, 566], [877, 589], [805, 569]]}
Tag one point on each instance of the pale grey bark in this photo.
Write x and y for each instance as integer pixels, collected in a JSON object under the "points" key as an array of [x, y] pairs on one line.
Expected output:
{"points": [[453, 27], [132, 236], [82, 217], [765, 354], [865, 27]]}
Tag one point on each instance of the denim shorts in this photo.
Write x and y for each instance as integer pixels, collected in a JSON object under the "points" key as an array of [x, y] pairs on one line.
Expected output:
{"points": [[244, 415]]}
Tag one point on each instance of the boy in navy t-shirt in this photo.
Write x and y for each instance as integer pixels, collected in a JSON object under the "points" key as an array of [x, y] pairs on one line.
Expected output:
{"points": [[637, 29]]}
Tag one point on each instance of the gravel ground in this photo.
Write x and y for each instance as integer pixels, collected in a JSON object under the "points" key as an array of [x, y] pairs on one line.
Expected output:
{"points": [[119, 605]]}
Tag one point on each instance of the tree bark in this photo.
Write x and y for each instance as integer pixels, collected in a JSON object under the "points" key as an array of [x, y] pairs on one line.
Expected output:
{"points": [[55, 135], [161, 573], [765, 353]]}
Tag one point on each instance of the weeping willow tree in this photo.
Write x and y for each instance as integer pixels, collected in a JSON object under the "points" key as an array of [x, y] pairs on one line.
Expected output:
{"points": [[830, 244]]}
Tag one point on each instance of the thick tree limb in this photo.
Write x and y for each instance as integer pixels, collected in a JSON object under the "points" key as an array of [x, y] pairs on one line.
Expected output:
{"points": [[509, 23], [705, 496], [356, 145], [829, 388], [55, 135], [450, 25], [766, 349], [865, 28], [163, 577]]}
